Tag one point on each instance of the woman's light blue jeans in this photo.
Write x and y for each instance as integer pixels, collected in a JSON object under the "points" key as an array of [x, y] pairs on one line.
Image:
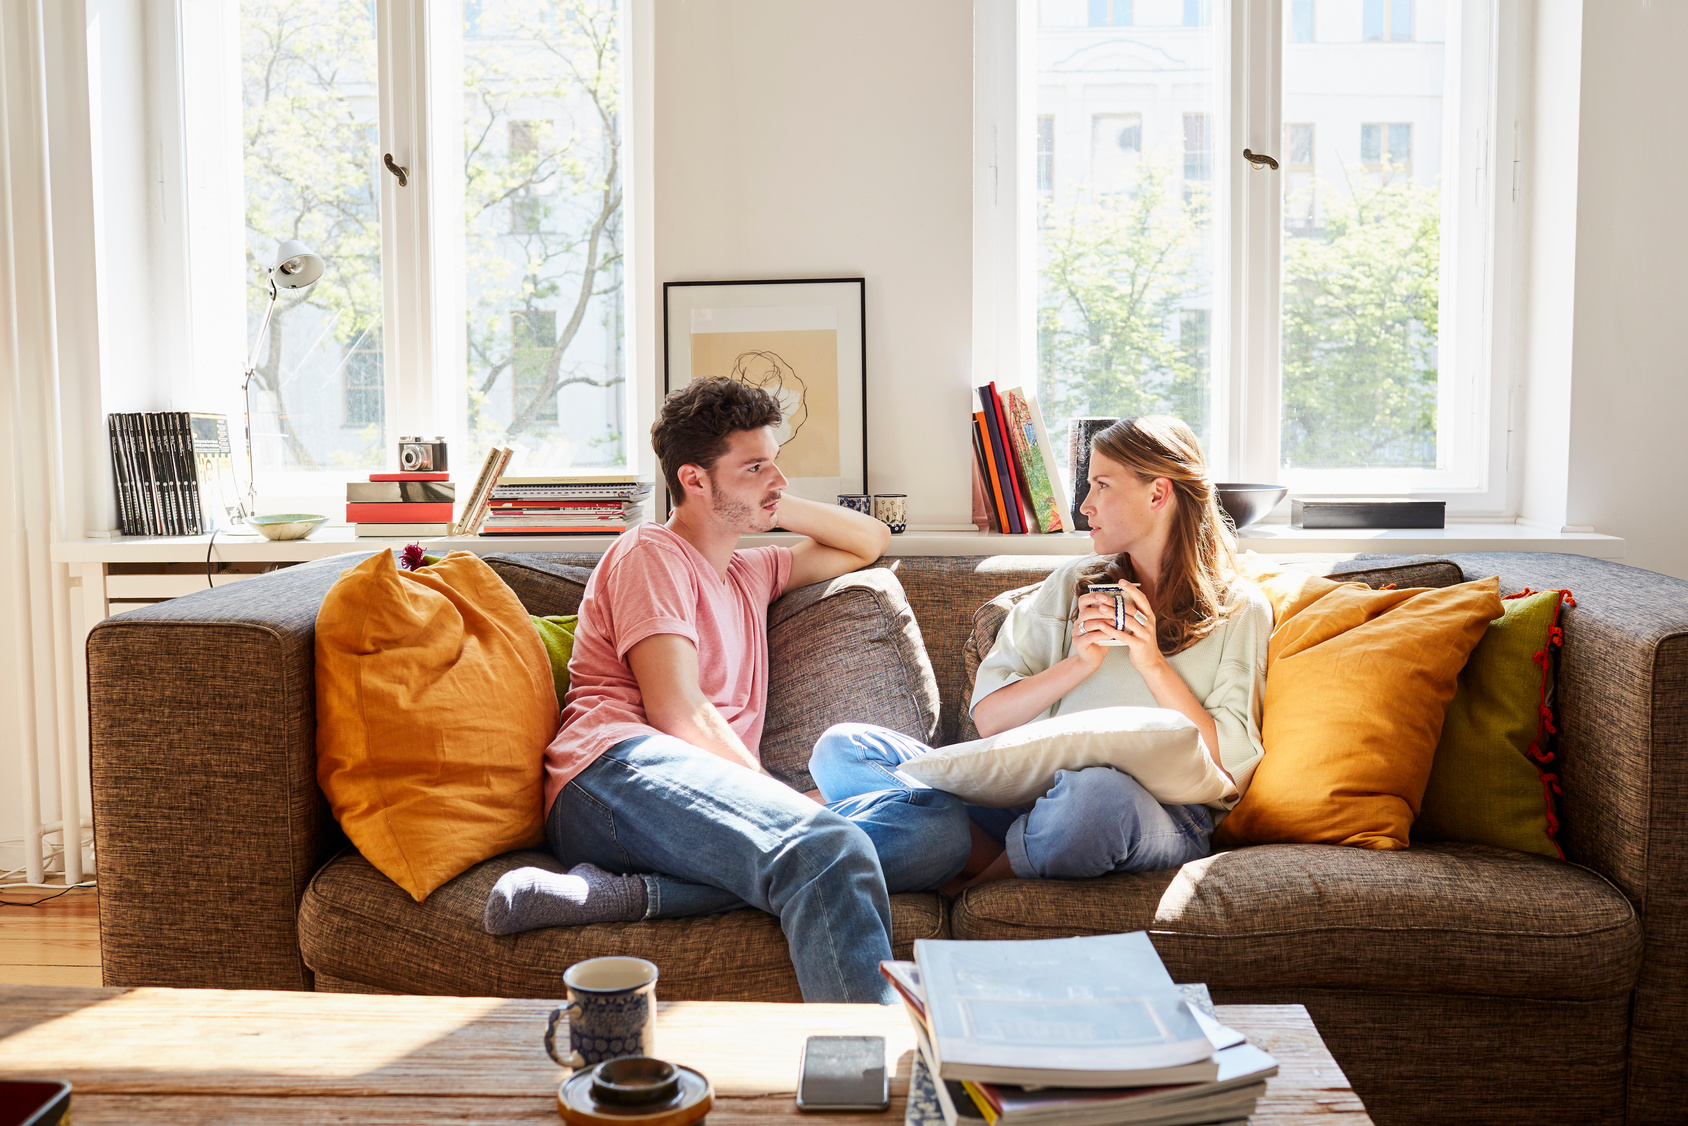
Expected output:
{"points": [[1092, 822]]}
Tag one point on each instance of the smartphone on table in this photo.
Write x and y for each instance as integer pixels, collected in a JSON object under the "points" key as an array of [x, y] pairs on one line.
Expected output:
{"points": [[33, 1102], [843, 1073]]}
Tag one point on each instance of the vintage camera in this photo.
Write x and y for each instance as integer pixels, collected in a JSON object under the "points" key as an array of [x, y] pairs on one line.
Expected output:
{"points": [[422, 455]]}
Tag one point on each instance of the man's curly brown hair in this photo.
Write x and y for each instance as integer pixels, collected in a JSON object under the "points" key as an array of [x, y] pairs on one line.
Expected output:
{"points": [[696, 422]]}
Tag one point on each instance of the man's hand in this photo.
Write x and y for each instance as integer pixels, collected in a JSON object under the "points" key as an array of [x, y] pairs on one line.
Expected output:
{"points": [[666, 668], [840, 540]]}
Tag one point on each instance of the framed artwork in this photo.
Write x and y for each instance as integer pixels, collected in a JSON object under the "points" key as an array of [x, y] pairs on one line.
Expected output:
{"points": [[803, 341]]}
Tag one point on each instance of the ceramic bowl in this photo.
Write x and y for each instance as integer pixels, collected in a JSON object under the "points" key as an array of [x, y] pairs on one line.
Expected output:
{"points": [[1245, 504], [287, 525]]}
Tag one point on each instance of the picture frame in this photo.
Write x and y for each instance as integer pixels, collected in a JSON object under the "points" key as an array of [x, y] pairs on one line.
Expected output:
{"points": [[804, 340]]}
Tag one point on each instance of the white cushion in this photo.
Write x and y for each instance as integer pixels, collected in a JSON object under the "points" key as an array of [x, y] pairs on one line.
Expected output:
{"points": [[1157, 746]]}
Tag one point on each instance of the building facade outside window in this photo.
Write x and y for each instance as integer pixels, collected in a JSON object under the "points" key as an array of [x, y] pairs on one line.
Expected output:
{"points": [[1301, 21], [365, 382], [1045, 153], [1387, 20], [1110, 13], [1136, 311]]}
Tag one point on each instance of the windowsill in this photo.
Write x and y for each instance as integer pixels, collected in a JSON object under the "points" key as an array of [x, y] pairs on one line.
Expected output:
{"points": [[1268, 539]]}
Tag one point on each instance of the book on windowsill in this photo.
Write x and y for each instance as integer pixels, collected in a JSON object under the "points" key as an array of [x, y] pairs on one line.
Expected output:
{"points": [[404, 531]]}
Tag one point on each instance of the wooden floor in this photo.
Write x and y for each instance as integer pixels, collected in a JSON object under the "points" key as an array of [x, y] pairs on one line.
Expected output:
{"points": [[57, 943]]}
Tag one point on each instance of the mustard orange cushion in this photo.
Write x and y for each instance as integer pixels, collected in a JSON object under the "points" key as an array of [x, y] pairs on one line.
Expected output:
{"points": [[1358, 683], [434, 706]]}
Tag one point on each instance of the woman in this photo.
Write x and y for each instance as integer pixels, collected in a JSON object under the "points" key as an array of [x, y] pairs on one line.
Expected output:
{"points": [[1194, 641]]}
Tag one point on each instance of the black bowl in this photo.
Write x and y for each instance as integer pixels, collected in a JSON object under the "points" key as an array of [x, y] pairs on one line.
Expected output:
{"points": [[1245, 504]]}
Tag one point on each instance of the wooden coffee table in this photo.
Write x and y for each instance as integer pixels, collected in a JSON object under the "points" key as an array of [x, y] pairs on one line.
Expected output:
{"points": [[192, 1056]]}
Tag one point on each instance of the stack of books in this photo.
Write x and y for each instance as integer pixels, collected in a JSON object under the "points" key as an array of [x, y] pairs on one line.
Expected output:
{"points": [[585, 504], [173, 471], [1017, 483], [407, 505], [1086, 1031]]}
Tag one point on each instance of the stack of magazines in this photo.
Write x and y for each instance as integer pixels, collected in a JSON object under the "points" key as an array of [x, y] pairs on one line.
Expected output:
{"points": [[1083, 1031], [581, 504], [173, 471]]}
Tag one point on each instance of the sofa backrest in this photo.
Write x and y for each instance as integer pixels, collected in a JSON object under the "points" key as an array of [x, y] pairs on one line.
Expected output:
{"points": [[954, 600]]}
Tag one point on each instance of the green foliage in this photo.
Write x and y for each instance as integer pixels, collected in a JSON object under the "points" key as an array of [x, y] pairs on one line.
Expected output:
{"points": [[1360, 331], [1116, 273], [308, 84], [543, 218]]}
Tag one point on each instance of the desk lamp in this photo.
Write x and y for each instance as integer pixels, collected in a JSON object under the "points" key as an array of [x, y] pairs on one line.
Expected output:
{"points": [[296, 267]]}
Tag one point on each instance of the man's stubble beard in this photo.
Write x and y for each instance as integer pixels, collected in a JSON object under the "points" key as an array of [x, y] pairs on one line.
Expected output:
{"points": [[745, 518]]}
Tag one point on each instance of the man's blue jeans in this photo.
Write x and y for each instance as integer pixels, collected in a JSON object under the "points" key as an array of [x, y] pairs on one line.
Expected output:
{"points": [[1092, 821], [711, 836]]}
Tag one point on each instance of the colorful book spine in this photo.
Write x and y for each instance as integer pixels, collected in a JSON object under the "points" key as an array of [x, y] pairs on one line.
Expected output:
{"points": [[1032, 462], [399, 512], [999, 464], [1020, 495], [987, 469]]}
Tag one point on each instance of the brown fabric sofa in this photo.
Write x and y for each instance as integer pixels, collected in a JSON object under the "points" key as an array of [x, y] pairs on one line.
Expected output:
{"points": [[1454, 983]]}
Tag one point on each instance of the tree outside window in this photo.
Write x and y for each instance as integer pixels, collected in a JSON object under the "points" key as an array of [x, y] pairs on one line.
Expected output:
{"points": [[365, 382], [533, 333]]}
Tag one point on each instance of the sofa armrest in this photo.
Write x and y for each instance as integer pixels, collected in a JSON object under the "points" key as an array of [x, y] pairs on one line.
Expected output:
{"points": [[1622, 711], [208, 822]]}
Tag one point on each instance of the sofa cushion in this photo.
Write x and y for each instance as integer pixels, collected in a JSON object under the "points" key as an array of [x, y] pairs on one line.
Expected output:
{"points": [[844, 651], [434, 702], [1441, 918], [1357, 684], [355, 925]]}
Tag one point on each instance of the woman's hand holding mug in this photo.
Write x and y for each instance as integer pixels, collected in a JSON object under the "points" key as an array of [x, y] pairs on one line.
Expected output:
{"points": [[1111, 615]]}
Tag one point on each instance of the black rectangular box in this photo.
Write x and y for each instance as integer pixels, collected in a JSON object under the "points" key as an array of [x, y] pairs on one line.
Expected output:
{"points": [[1315, 513]]}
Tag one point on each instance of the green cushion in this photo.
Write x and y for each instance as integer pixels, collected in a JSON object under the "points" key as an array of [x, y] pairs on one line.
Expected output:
{"points": [[1492, 778], [557, 632]]}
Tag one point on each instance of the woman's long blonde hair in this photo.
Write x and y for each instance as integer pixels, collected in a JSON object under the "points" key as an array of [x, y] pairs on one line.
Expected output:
{"points": [[1190, 590]]}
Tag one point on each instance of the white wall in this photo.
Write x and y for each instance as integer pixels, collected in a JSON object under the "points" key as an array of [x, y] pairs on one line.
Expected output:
{"points": [[832, 140], [1628, 419]]}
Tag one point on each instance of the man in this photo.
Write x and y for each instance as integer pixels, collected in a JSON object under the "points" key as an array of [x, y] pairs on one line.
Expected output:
{"points": [[655, 771]]}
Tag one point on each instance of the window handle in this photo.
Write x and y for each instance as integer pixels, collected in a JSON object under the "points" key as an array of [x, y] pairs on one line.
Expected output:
{"points": [[1258, 159], [403, 173]]}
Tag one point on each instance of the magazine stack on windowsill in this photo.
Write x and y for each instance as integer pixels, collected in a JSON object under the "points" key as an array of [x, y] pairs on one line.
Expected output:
{"points": [[1080, 1031], [581, 504]]}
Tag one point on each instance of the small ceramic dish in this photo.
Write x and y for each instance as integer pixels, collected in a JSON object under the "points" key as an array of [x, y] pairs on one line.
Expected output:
{"points": [[287, 525]]}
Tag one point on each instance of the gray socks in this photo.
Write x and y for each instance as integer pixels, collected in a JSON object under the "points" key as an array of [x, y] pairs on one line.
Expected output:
{"points": [[526, 898]]}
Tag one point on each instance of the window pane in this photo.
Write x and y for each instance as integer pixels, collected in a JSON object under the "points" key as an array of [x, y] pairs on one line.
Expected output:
{"points": [[308, 70], [1362, 254], [1125, 250], [1401, 20], [542, 201], [1301, 21], [1372, 20]]}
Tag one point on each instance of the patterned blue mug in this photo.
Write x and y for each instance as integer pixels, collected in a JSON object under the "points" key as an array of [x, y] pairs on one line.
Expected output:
{"points": [[612, 1011], [857, 502]]}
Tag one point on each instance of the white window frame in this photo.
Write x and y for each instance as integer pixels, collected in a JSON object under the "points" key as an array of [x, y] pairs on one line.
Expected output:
{"points": [[1474, 436], [422, 268]]}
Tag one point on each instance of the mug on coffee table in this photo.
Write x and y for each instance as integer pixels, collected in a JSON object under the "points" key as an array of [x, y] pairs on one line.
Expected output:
{"points": [[612, 1011], [892, 510]]}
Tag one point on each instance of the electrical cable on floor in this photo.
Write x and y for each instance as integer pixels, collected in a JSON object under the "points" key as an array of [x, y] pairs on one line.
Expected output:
{"points": [[47, 898]]}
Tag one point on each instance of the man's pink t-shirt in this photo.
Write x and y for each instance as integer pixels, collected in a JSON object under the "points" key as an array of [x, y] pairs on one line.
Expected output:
{"points": [[652, 581]]}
